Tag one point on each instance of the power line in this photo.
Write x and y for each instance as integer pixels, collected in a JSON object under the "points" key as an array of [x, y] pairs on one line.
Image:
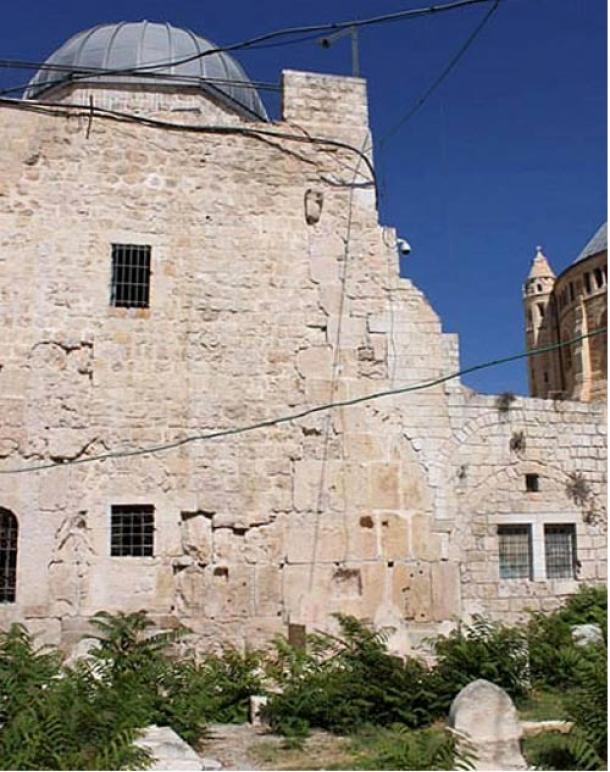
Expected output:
{"points": [[441, 77], [270, 422], [92, 72], [253, 43], [51, 108]]}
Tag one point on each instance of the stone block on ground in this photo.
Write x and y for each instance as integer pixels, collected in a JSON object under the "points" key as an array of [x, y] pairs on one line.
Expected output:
{"points": [[169, 750], [485, 715], [583, 635]]}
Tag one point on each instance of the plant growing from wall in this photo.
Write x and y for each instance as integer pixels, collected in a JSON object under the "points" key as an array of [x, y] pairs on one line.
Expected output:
{"points": [[578, 489], [504, 402], [517, 442]]}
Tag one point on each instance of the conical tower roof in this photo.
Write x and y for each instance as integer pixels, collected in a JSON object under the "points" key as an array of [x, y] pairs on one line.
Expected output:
{"points": [[541, 268]]}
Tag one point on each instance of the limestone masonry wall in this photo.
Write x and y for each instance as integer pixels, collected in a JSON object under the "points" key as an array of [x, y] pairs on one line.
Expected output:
{"points": [[273, 289]]}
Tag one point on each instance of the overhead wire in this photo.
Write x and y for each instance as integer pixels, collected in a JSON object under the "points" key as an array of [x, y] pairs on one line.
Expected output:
{"points": [[50, 108], [290, 417], [441, 77]]}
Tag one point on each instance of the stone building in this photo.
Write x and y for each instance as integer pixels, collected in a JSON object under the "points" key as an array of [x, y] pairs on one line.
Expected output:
{"points": [[563, 308], [174, 266]]}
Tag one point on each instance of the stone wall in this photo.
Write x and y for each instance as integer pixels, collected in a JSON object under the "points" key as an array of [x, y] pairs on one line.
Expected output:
{"points": [[273, 290]]}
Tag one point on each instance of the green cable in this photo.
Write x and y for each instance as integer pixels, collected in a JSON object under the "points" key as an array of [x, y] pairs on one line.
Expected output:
{"points": [[302, 414]]}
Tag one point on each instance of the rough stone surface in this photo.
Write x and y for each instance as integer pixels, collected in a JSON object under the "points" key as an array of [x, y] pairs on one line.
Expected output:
{"points": [[485, 714], [388, 509], [532, 728], [169, 750], [583, 635]]}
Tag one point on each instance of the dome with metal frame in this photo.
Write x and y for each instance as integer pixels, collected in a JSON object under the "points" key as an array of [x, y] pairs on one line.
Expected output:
{"points": [[117, 48]]}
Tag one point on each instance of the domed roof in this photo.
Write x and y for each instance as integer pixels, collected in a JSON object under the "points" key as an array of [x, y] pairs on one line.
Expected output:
{"points": [[598, 243], [132, 44]]}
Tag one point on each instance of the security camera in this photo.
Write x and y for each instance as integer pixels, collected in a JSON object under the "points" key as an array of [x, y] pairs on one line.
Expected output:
{"points": [[325, 42], [403, 246]]}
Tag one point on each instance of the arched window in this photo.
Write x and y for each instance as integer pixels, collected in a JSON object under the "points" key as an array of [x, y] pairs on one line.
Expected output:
{"points": [[9, 529]]}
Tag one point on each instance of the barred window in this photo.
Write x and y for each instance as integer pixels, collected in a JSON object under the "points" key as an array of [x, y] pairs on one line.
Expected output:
{"points": [[132, 528], [9, 531], [560, 551], [130, 284], [515, 551]]}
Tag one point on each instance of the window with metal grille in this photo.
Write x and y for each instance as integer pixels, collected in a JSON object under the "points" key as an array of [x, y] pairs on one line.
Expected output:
{"points": [[9, 531], [560, 551], [130, 285], [515, 551], [132, 528]]}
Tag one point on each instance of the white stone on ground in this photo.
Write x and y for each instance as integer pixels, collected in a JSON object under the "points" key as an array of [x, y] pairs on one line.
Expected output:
{"points": [[484, 714], [583, 635], [169, 750]]}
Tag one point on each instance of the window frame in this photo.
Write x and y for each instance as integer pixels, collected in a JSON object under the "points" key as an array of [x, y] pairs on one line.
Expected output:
{"points": [[130, 275], [512, 529], [571, 568], [9, 555], [134, 538]]}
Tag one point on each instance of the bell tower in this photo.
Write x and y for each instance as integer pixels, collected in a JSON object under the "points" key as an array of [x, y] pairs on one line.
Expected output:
{"points": [[539, 326]]}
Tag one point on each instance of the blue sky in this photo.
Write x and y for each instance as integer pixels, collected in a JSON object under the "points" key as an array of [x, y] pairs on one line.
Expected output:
{"points": [[509, 152]]}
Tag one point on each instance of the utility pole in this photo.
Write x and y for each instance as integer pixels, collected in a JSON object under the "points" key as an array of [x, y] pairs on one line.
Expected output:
{"points": [[326, 42]]}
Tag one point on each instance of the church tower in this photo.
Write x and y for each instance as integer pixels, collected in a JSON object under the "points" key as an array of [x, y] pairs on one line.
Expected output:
{"points": [[543, 374]]}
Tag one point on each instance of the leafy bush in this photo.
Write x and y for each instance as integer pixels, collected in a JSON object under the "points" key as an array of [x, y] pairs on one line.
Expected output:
{"points": [[586, 746], [347, 681], [184, 694], [482, 650], [397, 747], [59, 719], [554, 659]]}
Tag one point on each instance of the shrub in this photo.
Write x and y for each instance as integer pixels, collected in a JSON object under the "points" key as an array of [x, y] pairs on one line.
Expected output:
{"points": [[56, 718], [482, 650], [397, 747], [554, 659], [348, 681]]}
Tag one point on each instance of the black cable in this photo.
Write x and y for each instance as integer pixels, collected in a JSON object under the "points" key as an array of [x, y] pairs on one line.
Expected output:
{"points": [[270, 422], [440, 78], [317, 28], [91, 110], [92, 72]]}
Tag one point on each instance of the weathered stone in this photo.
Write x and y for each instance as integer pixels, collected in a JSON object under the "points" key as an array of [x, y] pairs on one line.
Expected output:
{"points": [[583, 635], [168, 749], [485, 715]]}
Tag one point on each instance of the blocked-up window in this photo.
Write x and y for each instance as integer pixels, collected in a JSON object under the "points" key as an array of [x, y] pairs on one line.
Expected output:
{"points": [[560, 551], [515, 551], [132, 530], [9, 531], [130, 283]]}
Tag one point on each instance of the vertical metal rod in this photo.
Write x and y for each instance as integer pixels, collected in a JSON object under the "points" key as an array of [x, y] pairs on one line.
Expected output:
{"points": [[355, 52]]}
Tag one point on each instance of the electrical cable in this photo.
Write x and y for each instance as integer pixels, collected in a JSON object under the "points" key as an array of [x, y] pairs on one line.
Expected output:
{"points": [[271, 422], [252, 43], [50, 108], [441, 77]]}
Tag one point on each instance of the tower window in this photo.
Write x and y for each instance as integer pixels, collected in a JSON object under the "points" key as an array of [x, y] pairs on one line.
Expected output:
{"points": [[539, 287], [571, 285], [560, 551], [532, 483], [587, 278], [130, 284], [599, 278], [541, 309], [132, 529], [9, 530], [515, 551]]}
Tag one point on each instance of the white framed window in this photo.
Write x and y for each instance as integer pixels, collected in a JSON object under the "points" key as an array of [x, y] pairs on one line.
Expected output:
{"points": [[560, 550], [538, 547], [515, 551]]}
